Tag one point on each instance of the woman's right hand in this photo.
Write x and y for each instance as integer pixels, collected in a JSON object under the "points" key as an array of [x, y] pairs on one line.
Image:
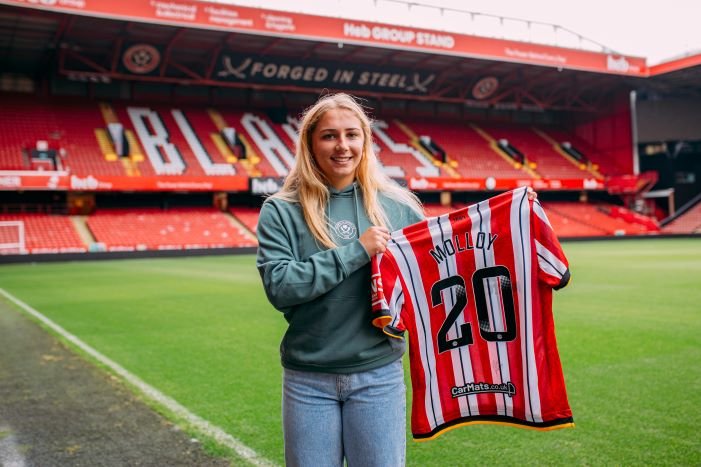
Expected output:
{"points": [[374, 240]]}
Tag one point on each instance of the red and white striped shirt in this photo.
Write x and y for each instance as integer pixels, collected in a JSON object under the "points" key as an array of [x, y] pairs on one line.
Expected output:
{"points": [[473, 288]]}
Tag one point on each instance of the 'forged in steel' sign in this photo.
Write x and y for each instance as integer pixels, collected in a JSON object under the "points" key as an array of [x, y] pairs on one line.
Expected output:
{"points": [[289, 71]]}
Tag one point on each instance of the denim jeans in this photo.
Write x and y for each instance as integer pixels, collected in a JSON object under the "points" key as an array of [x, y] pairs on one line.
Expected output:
{"points": [[357, 416]]}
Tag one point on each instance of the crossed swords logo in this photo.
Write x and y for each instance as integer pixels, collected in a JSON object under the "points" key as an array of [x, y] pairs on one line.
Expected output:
{"points": [[239, 72]]}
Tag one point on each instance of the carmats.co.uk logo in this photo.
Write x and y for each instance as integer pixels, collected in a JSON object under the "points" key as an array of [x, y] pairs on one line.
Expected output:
{"points": [[468, 389]]}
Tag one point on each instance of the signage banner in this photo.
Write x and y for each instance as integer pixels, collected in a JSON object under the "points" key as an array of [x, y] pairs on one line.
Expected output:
{"points": [[501, 184], [14, 180], [265, 185], [337, 75], [63, 181], [676, 64], [194, 14]]}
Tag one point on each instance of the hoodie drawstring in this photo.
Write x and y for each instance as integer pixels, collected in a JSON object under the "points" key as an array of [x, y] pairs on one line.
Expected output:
{"points": [[355, 206]]}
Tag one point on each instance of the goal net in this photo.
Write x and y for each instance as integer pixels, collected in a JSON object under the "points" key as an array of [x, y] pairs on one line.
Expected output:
{"points": [[12, 239]]}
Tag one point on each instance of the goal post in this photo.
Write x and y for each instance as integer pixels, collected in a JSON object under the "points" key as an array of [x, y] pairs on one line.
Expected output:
{"points": [[12, 238]]}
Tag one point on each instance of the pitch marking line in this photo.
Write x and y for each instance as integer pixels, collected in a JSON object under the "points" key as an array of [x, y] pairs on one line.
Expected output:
{"points": [[10, 453], [149, 391]]}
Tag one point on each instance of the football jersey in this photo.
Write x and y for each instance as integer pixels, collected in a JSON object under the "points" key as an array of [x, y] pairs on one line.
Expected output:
{"points": [[473, 289]]}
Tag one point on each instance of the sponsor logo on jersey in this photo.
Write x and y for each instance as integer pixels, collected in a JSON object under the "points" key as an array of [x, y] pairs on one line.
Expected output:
{"points": [[478, 388]]}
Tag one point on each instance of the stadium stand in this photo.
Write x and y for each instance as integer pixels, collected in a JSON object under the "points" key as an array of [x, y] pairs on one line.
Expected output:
{"points": [[600, 163], [547, 162], [215, 125], [689, 222], [266, 153], [70, 125], [266, 149], [576, 219], [79, 127], [471, 151], [646, 223], [46, 233], [397, 150], [584, 218], [433, 209], [174, 229], [568, 227], [247, 217]]}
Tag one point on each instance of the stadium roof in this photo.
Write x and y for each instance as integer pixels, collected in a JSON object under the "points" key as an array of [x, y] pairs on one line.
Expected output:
{"points": [[93, 46]]}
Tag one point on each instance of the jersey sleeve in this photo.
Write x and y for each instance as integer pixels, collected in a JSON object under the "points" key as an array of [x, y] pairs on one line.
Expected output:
{"points": [[552, 263], [387, 296]]}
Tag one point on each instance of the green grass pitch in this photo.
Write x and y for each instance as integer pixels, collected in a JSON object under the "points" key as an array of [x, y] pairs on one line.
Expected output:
{"points": [[201, 331]]}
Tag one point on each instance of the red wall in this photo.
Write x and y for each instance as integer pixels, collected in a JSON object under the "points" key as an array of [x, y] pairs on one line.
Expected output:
{"points": [[611, 134]]}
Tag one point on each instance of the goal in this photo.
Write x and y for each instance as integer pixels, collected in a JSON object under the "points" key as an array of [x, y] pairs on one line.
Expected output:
{"points": [[12, 238]]}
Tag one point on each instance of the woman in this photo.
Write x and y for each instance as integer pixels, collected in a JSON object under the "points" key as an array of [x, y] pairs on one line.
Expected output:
{"points": [[343, 382]]}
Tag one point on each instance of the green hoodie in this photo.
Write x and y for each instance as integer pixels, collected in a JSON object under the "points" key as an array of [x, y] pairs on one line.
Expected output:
{"points": [[323, 293]]}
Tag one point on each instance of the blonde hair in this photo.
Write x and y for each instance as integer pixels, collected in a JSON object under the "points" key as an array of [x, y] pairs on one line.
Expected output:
{"points": [[307, 185]]}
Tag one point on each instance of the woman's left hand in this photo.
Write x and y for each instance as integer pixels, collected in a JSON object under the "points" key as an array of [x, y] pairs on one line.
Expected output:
{"points": [[532, 195]]}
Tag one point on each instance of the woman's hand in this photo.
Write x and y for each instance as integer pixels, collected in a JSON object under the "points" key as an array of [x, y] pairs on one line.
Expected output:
{"points": [[374, 240], [532, 195]]}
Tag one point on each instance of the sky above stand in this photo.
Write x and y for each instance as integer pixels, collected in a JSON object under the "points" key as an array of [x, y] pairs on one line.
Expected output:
{"points": [[656, 30]]}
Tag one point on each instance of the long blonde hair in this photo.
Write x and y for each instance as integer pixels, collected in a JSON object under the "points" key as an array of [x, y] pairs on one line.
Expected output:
{"points": [[307, 185]]}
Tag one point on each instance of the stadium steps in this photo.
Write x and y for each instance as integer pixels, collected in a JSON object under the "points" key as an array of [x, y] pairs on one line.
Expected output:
{"points": [[131, 167], [103, 140], [448, 166], [549, 162], [108, 114], [494, 146], [250, 163], [556, 147], [218, 141], [604, 165], [468, 152], [242, 227], [81, 227], [136, 153], [399, 156], [246, 216], [252, 159], [688, 222]]}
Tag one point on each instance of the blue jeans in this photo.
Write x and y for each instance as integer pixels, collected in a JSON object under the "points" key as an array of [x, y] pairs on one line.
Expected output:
{"points": [[357, 416]]}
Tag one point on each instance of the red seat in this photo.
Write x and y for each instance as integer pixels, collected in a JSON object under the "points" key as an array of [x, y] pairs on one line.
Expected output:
{"points": [[155, 229], [47, 233]]}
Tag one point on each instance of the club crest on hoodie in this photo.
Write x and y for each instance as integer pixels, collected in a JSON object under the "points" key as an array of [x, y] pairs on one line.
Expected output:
{"points": [[345, 229]]}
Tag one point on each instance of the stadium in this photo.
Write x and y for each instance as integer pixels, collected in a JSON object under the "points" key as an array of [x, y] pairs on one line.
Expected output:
{"points": [[138, 140]]}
